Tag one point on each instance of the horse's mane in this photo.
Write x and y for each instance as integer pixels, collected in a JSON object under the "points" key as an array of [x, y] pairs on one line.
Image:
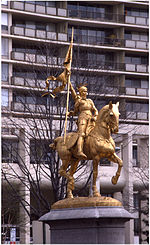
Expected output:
{"points": [[102, 111]]}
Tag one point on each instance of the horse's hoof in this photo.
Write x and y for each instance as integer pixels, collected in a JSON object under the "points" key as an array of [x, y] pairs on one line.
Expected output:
{"points": [[96, 194], [114, 180], [69, 196]]}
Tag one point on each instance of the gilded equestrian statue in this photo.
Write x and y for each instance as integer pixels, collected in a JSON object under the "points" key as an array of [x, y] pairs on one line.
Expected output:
{"points": [[92, 141]]}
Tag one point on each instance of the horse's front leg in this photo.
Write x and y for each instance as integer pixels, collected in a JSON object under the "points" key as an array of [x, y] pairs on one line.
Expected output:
{"points": [[95, 173], [70, 185], [114, 158]]}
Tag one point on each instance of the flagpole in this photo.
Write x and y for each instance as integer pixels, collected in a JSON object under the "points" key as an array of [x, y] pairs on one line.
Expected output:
{"points": [[68, 88]]}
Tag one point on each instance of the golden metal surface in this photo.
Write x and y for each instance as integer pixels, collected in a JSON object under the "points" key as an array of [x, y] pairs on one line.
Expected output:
{"points": [[79, 202], [95, 145]]}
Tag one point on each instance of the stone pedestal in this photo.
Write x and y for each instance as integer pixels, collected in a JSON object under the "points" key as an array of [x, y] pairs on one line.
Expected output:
{"points": [[87, 225]]}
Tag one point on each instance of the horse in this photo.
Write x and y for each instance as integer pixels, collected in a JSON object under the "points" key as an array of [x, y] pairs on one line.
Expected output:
{"points": [[97, 144]]}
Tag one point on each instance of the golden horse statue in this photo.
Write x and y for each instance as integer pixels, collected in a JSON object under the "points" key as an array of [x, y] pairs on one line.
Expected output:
{"points": [[97, 144]]}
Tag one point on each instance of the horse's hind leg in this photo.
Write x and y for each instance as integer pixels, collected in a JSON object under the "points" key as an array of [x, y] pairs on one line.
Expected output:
{"points": [[70, 185], [116, 159], [69, 175], [95, 173], [63, 168]]}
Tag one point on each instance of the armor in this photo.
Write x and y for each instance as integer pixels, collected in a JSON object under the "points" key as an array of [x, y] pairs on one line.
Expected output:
{"points": [[86, 111]]}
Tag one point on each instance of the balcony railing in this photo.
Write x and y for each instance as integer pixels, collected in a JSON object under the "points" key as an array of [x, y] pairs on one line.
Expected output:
{"points": [[34, 58], [29, 32], [131, 115], [137, 115], [138, 44], [137, 68], [79, 63], [30, 108], [82, 39], [101, 41], [97, 64], [108, 17], [36, 108], [28, 82], [117, 90], [105, 17], [106, 41], [92, 87], [37, 8], [95, 15], [144, 92], [136, 20], [41, 109]]}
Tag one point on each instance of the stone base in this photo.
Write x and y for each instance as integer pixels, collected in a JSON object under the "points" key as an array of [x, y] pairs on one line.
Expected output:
{"points": [[87, 225]]}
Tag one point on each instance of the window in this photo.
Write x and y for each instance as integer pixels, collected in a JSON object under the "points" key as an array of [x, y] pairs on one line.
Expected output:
{"points": [[128, 36], [19, 98], [40, 26], [136, 60], [4, 47], [144, 84], [30, 24], [4, 100], [40, 152], [137, 107], [4, 21], [4, 2], [42, 3], [136, 227], [32, 2], [27, 99], [136, 83], [135, 154], [51, 27], [51, 4], [19, 23], [136, 36], [9, 150], [144, 108], [4, 75], [31, 100], [136, 203], [144, 37], [136, 12]]}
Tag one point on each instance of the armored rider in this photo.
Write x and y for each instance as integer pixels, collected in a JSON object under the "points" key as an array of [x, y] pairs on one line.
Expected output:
{"points": [[86, 111]]}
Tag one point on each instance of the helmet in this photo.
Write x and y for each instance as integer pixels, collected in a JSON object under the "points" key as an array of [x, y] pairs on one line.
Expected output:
{"points": [[82, 88]]}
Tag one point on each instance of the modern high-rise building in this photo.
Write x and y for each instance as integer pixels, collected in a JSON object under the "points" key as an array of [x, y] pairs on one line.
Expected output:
{"points": [[110, 54]]}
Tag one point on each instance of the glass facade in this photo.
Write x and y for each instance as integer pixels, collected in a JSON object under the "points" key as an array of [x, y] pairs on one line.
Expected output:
{"points": [[4, 47], [137, 107], [136, 36], [137, 12], [4, 21], [4, 72], [9, 150], [4, 98], [136, 83]]}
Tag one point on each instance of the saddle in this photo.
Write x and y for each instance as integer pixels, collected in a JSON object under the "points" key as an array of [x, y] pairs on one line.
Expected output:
{"points": [[73, 136]]}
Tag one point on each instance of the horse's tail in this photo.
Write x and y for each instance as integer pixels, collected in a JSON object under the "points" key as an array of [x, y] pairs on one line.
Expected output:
{"points": [[53, 145]]}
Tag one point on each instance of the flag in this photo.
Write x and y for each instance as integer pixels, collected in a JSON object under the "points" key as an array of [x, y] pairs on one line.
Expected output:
{"points": [[63, 77]]}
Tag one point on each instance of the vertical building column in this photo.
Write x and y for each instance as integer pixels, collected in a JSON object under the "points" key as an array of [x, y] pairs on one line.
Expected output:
{"points": [[10, 71], [24, 189], [128, 189]]}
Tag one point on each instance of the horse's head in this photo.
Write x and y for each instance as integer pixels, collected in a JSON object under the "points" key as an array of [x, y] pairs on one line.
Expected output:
{"points": [[108, 117], [113, 117]]}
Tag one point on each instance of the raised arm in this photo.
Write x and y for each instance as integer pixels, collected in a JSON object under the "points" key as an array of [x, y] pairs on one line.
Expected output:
{"points": [[73, 92]]}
